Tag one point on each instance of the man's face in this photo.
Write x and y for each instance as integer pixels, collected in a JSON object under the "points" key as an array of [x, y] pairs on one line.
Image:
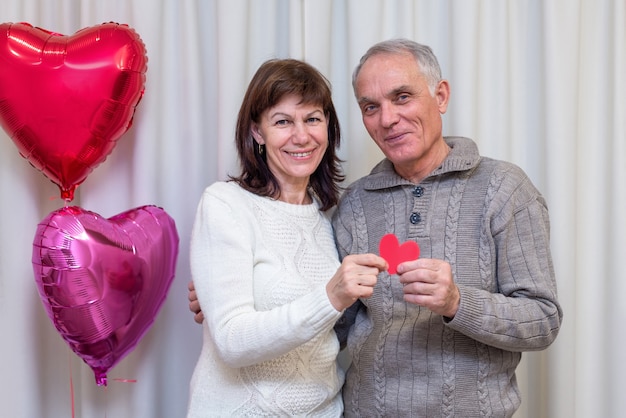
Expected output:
{"points": [[399, 112]]}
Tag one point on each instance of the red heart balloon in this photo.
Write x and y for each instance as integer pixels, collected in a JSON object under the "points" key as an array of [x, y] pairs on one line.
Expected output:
{"points": [[102, 281], [66, 100], [391, 250]]}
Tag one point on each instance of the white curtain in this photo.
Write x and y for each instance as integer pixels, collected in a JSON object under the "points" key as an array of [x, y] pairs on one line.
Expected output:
{"points": [[540, 83]]}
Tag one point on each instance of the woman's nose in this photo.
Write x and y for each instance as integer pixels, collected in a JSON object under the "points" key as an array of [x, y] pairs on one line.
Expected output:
{"points": [[301, 133]]}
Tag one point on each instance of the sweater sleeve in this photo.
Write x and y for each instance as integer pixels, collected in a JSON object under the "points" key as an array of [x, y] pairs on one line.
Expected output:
{"points": [[221, 256], [520, 312]]}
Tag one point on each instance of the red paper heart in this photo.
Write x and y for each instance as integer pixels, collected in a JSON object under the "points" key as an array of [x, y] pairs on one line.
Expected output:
{"points": [[102, 281], [391, 250], [66, 100]]}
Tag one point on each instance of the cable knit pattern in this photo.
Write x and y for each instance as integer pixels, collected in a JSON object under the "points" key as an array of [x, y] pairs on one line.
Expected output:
{"points": [[452, 225], [260, 268], [361, 244], [490, 223], [386, 300], [485, 274]]}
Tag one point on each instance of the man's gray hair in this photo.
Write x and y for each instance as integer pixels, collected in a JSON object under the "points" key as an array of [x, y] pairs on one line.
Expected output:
{"points": [[426, 59]]}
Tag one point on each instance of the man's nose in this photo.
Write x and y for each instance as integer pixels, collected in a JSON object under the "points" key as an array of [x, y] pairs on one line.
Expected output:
{"points": [[388, 115]]}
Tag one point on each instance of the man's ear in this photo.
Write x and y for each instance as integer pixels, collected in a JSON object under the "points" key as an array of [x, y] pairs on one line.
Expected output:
{"points": [[442, 94]]}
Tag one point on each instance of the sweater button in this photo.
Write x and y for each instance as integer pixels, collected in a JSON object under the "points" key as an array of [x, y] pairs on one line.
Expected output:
{"points": [[418, 191], [415, 218]]}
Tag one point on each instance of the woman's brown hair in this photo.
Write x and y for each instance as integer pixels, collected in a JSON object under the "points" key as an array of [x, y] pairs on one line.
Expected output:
{"points": [[274, 80]]}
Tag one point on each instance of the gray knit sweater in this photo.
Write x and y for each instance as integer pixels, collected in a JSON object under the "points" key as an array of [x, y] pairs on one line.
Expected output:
{"points": [[491, 224]]}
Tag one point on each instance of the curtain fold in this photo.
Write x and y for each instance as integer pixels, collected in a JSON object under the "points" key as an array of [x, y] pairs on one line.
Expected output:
{"points": [[538, 83]]}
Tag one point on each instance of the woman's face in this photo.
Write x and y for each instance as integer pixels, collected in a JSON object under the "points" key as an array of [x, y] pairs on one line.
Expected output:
{"points": [[295, 136]]}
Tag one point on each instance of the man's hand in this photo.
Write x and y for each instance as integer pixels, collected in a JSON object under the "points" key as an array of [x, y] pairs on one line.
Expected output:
{"points": [[194, 305], [428, 282]]}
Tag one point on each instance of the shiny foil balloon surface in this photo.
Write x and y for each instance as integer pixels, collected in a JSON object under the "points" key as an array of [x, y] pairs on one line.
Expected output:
{"points": [[102, 281], [66, 100]]}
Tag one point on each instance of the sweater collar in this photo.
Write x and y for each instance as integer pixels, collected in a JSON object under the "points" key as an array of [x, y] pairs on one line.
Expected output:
{"points": [[463, 156]]}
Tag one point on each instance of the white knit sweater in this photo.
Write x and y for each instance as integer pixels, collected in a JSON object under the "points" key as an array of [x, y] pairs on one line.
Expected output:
{"points": [[260, 267]]}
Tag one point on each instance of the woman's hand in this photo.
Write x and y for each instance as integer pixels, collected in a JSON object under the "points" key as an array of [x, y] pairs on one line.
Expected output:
{"points": [[355, 278]]}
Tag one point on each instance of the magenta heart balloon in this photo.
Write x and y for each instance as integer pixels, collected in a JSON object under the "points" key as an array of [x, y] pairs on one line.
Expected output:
{"points": [[66, 100], [102, 281]]}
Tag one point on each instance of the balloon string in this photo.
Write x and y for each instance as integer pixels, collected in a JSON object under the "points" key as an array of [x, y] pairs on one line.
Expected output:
{"points": [[106, 392], [71, 384], [106, 401], [125, 380]]}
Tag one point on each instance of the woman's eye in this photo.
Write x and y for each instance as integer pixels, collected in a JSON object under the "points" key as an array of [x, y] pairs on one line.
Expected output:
{"points": [[282, 122]]}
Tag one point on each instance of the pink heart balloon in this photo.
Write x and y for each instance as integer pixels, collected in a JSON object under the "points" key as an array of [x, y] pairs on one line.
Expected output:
{"points": [[391, 250], [102, 281], [66, 100]]}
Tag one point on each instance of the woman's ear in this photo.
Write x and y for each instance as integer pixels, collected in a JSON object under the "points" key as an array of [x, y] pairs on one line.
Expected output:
{"points": [[256, 134]]}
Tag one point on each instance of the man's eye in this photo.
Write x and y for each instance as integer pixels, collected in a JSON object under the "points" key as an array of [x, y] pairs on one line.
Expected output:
{"points": [[369, 108]]}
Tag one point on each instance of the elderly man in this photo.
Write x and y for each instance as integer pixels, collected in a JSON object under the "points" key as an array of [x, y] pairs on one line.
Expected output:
{"points": [[444, 335]]}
